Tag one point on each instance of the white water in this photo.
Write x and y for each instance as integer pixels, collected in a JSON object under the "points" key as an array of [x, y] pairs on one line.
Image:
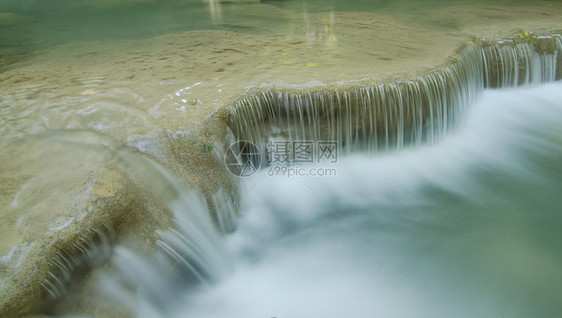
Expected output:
{"points": [[469, 227], [379, 117]]}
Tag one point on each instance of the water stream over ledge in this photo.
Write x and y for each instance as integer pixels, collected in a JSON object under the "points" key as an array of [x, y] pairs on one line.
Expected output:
{"points": [[466, 227], [463, 224], [377, 117], [436, 196]]}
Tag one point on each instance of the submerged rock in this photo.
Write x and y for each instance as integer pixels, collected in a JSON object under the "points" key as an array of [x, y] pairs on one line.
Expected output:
{"points": [[64, 196], [68, 194]]}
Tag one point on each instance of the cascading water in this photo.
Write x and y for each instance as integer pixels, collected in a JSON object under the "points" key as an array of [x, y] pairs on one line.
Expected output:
{"points": [[390, 116], [424, 232], [467, 227], [90, 247], [191, 253], [430, 194], [201, 261]]}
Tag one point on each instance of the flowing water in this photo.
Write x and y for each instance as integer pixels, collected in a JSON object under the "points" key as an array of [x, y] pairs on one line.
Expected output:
{"points": [[444, 200], [389, 116], [468, 227]]}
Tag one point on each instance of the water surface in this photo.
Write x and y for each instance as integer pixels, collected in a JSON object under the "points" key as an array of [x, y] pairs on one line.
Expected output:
{"points": [[467, 227]]}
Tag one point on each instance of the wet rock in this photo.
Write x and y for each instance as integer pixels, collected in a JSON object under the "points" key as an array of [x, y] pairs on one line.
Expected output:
{"points": [[64, 195]]}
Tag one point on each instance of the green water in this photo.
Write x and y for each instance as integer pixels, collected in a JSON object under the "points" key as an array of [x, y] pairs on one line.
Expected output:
{"points": [[30, 25], [468, 227], [488, 226], [60, 21], [67, 21]]}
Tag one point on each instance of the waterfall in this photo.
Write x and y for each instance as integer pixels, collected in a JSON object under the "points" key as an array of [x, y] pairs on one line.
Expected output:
{"points": [[370, 117], [193, 242], [88, 249], [389, 116], [190, 251], [365, 116]]}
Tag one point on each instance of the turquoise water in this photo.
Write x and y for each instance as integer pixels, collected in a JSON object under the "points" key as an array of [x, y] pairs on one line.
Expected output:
{"points": [[465, 228], [60, 21], [468, 227], [66, 21], [33, 25]]}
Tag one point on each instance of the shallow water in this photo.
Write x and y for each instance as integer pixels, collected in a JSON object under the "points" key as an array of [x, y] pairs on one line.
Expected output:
{"points": [[42, 24], [468, 227]]}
